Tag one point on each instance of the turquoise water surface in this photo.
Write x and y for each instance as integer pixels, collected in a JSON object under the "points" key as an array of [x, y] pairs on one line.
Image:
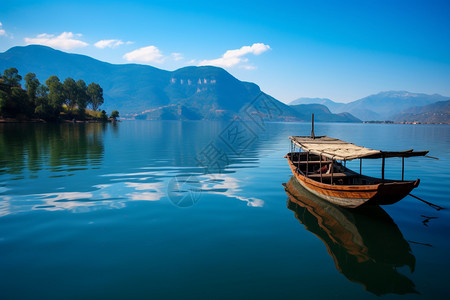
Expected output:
{"points": [[198, 210]]}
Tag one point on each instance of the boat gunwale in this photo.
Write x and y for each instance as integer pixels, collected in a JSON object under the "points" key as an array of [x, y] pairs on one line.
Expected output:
{"points": [[328, 186], [370, 191], [345, 188]]}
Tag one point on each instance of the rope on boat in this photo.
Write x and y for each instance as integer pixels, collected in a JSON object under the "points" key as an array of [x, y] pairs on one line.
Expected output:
{"points": [[432, 157], [437, 207], [419, 243]]}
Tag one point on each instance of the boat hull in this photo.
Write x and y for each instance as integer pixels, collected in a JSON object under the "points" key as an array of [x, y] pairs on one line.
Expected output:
{"points": [[352, 196]]}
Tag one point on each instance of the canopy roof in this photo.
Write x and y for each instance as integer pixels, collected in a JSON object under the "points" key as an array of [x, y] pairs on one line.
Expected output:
{"points": [[340, 150]]}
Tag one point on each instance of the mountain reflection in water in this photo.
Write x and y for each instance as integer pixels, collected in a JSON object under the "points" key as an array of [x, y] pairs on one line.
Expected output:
{"points": [[365, 244]]}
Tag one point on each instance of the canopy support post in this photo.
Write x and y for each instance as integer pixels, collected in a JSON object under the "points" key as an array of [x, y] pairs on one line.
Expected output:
{"points": [[403, 168], [320, 166], [382, 167], [332, 167], [307, 163], [312, 127], [360, 166]]}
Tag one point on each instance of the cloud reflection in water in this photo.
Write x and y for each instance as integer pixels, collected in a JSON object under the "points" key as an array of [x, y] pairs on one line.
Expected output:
{"points": [[122, 188]]}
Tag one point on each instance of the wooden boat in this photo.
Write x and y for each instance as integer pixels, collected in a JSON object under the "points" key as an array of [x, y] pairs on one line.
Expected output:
{"points": [[352, 238], [319, 166]]}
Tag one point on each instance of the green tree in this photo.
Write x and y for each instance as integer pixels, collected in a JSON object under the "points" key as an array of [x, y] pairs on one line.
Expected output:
{"points": [[46, 101], [82, 97], [11, 77], [4, 97], [95, 94], [42, 91], [31, 84], [114, 114], [104, 116], [55, 93], [70, 93], [13, 99], [18, 103], [43, 108]]}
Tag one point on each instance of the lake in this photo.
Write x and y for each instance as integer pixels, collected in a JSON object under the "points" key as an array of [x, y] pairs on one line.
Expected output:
{"points": [[198, 210]]}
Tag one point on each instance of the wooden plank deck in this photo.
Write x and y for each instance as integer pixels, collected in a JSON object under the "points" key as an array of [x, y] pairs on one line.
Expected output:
{"points": [[335, 175]]}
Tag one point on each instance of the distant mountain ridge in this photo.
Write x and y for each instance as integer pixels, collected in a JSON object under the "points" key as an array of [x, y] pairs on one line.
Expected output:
{"points": [[333, 106], [378, 107], [322, 113], [438, 112]]}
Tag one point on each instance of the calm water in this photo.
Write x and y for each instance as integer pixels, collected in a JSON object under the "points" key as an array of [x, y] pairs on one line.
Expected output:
{"points": [[198, 210]]}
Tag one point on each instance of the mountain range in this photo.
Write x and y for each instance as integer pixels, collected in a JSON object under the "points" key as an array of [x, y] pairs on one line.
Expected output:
{"points": [[143, 91], [438, 112], [379, 107], [196, 93]]}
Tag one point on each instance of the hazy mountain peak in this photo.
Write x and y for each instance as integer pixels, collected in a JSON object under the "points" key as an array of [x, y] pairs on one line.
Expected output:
{"points": [[322, 113], [437, 112], [309, 100], [381, 106], [402, 94]]}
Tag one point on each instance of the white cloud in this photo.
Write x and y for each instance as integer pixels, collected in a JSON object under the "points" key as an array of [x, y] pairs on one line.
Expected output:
{"points": [[108, 43], [232, 58], [146, 55], [177, 56], [65, 41], [2, 31]]}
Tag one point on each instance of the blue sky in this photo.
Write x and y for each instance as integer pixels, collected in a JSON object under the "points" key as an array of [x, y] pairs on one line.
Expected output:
{"points": [[342, 50]]}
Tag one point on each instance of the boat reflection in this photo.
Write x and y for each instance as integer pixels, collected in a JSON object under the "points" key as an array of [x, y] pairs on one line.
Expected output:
{"points": [[365, 243]]}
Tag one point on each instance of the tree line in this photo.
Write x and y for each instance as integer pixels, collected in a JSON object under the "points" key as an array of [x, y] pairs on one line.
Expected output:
{"points": [[51, 101]]}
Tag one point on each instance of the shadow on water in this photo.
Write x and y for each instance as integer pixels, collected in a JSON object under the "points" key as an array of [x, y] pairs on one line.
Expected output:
{"points": [[365, 244], [34, 147]]}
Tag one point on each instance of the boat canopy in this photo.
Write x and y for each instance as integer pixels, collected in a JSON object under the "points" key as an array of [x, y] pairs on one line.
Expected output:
{"points": [[340, 150]]}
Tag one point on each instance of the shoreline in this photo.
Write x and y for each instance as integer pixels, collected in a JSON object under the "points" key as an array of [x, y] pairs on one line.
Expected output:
{"points": [[41, 121]]}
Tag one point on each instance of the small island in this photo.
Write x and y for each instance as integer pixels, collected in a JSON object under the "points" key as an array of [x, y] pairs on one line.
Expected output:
{"points": [[54, 101]]}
